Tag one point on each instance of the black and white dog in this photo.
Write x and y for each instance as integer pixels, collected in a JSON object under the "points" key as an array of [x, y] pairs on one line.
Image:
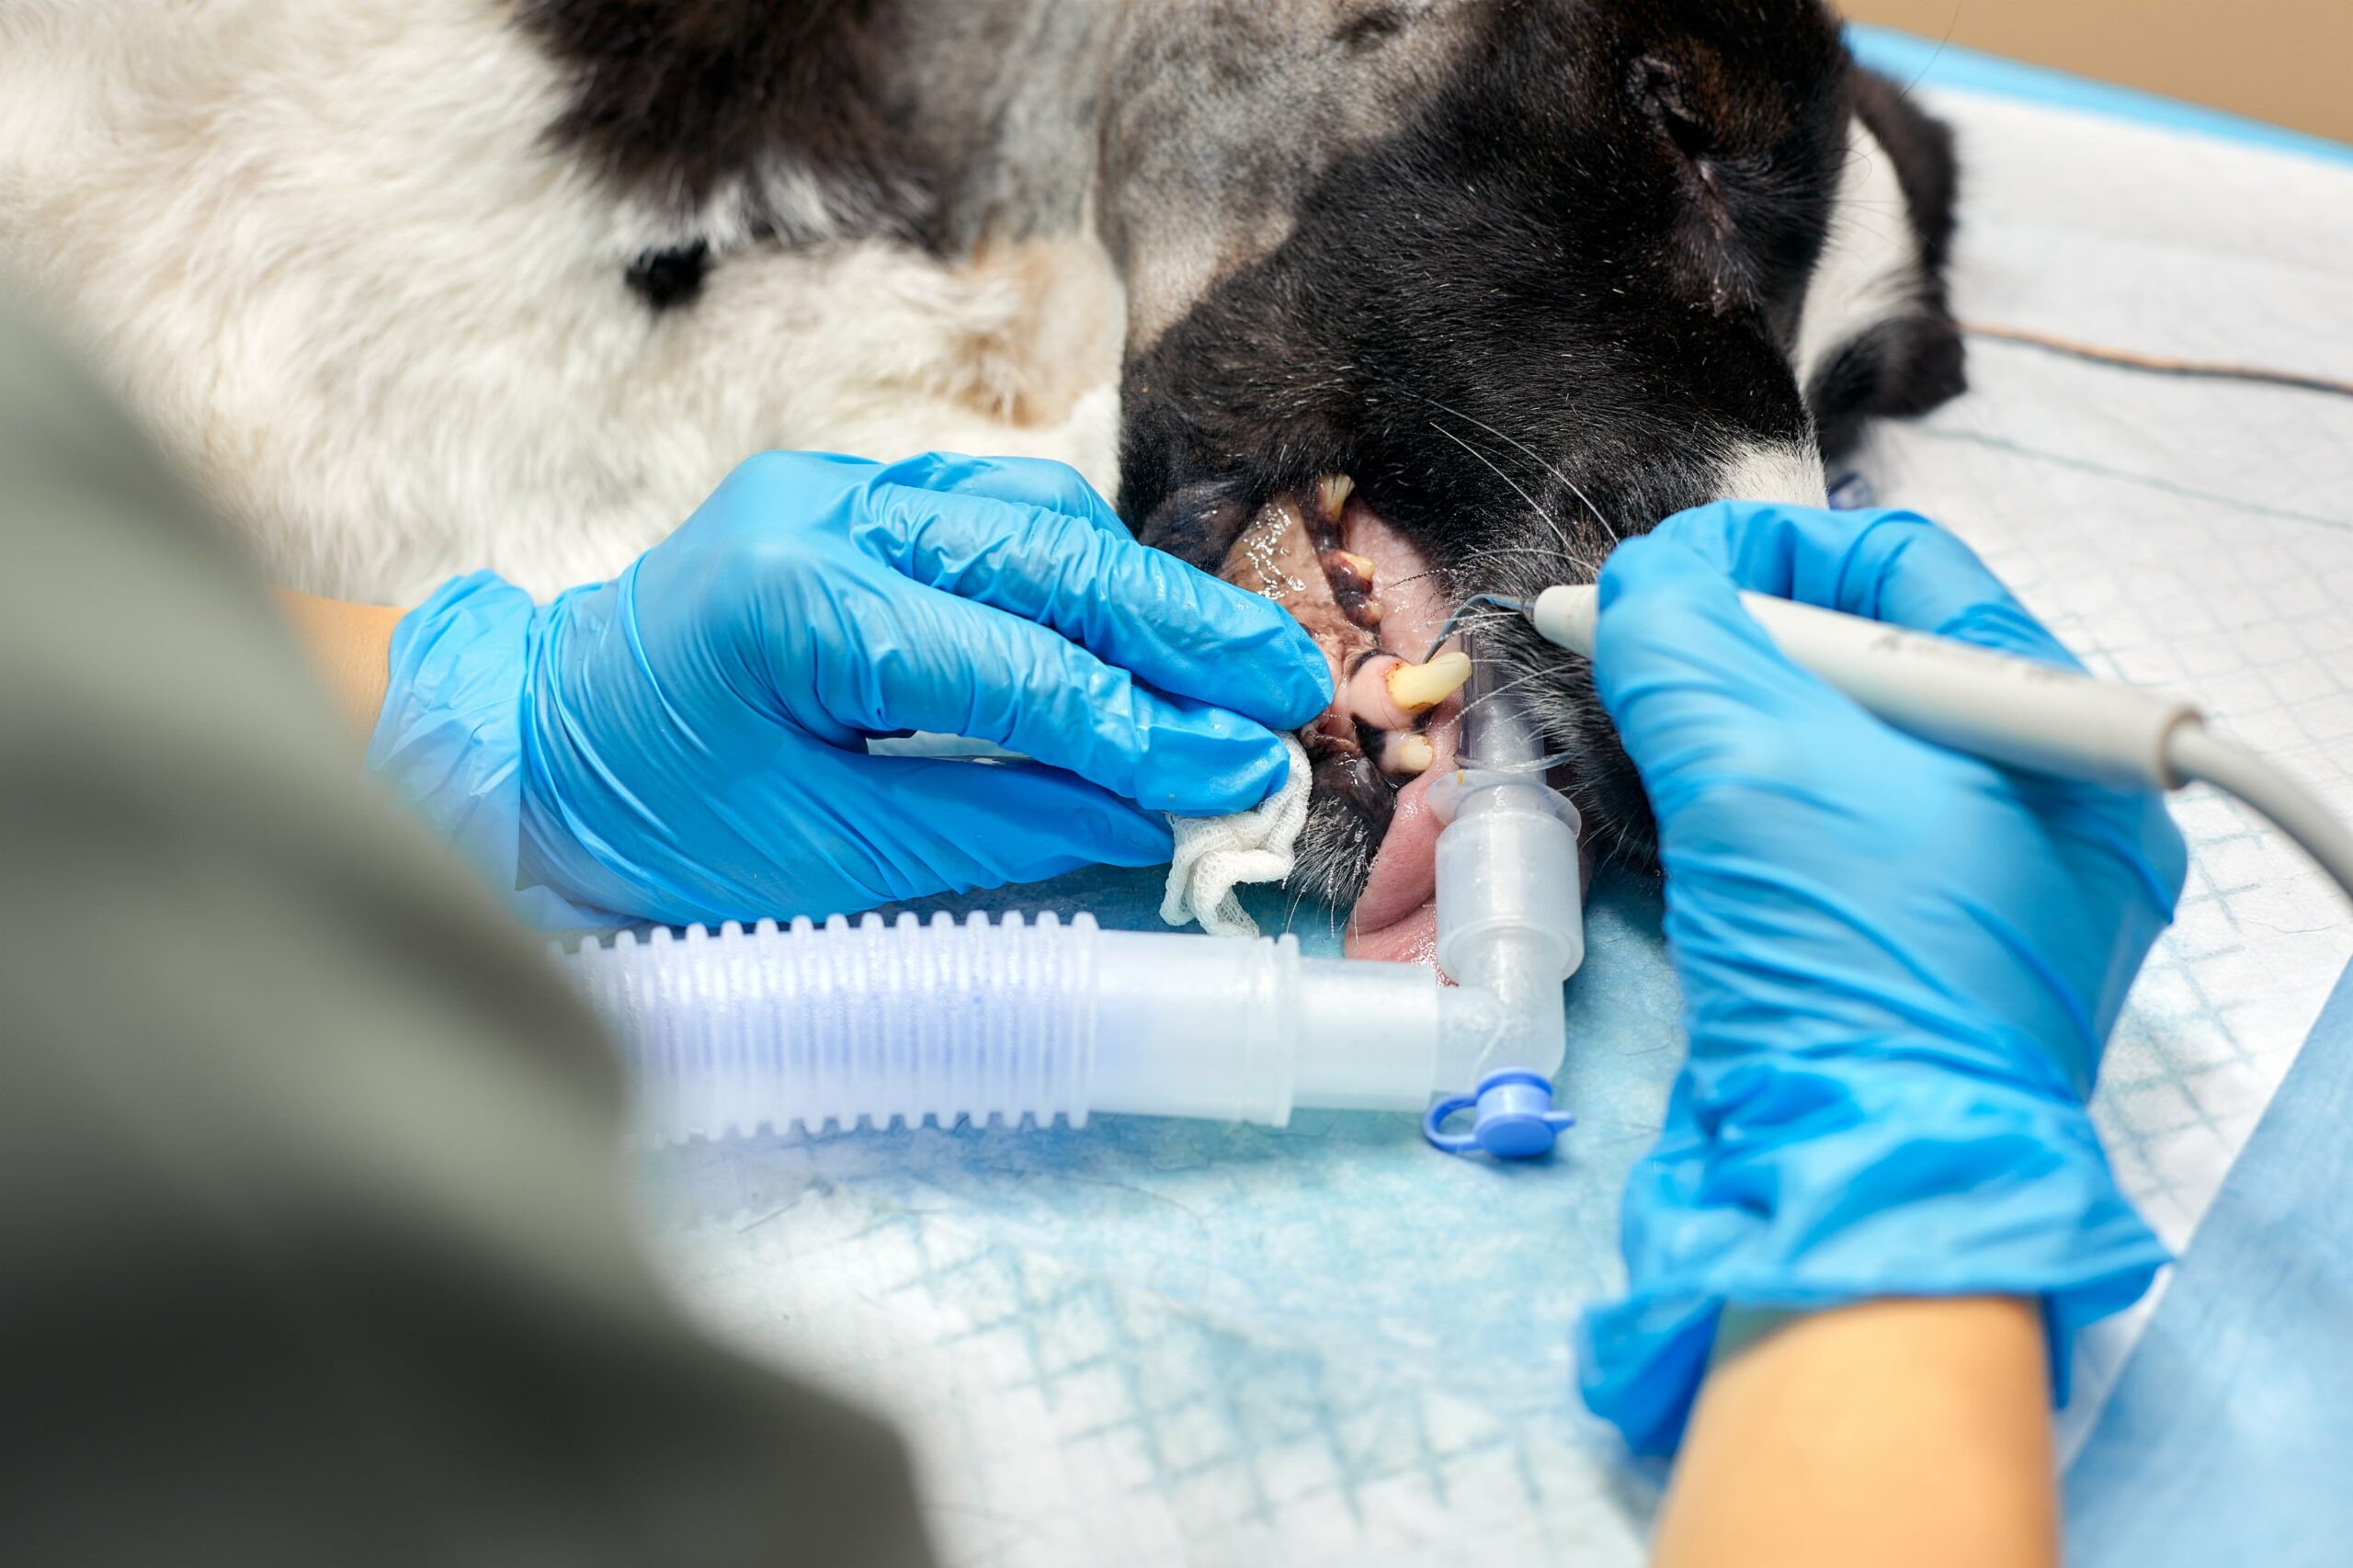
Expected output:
{"points": [[1375, 303]]}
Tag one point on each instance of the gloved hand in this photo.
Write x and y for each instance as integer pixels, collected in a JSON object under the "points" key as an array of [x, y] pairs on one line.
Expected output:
{"points": [[1900, 965], [686, 741]]}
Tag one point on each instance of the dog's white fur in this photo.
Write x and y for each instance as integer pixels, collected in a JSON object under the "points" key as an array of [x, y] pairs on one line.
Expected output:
{"points": [[1870, 269], [1773, 472], [326, 252]]}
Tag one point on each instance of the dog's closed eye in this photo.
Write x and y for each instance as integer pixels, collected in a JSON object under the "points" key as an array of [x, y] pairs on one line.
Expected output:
{"points": [[1662, 91]]}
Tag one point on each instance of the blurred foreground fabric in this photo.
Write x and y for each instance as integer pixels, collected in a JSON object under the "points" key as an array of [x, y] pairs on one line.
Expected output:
{"points": [[316, 1243]]}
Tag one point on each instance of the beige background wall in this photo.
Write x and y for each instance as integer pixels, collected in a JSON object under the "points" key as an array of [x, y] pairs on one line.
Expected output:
{"points": [[2289, 62]]}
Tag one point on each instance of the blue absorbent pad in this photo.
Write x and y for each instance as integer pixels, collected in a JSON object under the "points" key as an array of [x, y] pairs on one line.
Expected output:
{"points": [[1154, 1342], [1301, 1343]]}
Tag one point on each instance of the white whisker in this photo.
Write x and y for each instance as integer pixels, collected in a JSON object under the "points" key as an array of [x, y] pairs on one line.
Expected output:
{"points": [[1533, 503], [1616, 535]]}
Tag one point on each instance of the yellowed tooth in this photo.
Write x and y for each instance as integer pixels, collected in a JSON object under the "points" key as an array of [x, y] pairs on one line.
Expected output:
{"points": [[1359, 564], [1417, 688], [1332, 493], [1407, 755]]}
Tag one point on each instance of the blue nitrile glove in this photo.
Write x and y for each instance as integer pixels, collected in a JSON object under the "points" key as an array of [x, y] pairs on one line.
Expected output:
{"points": [[687, 743], [1900, 965]]}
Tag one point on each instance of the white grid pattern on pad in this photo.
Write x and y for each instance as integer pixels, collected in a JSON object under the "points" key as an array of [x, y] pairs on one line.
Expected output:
{"points": [[1069, 1420]]}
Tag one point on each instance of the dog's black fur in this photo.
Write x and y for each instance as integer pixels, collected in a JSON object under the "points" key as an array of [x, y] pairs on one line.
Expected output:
{"points": [[670, 278], [672, 100], [1529, 324], [1534, 318]]}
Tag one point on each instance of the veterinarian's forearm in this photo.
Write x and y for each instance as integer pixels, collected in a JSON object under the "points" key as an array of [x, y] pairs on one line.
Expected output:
{"points": [[1896, 1431], [350, 649]]}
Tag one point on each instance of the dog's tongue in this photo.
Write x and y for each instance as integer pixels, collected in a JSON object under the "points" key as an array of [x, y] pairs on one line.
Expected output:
{"points": [[1396, 919]]}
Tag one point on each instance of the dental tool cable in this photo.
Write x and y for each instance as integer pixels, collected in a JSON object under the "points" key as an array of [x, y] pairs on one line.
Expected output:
{"points": [[2197, 754], [2010, 710]]}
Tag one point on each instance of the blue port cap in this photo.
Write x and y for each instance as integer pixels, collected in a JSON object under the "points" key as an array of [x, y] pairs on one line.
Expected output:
{"points": [[1513, 1118]]}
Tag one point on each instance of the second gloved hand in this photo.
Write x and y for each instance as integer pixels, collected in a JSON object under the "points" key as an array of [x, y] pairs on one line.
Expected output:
{"points": [[688, 740], [1900, 965]]}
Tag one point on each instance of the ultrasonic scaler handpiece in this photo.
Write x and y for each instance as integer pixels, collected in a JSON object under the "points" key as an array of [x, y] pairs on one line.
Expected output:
{"points": [[2017, 713]]}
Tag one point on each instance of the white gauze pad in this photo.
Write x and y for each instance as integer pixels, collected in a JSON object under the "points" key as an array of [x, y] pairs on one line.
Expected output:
{"points": [[1216, 855]]}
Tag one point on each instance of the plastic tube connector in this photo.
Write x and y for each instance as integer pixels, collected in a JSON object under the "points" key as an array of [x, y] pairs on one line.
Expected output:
{"points": [[1511, 930], [1514, 1119], [1510, 925]]}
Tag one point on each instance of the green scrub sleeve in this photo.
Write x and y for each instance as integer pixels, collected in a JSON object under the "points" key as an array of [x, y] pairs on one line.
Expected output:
{"points": [[316, 1237]]}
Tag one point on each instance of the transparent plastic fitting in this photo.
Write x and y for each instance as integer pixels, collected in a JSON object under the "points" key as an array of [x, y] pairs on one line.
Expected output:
{"points": [[1510, 924]]}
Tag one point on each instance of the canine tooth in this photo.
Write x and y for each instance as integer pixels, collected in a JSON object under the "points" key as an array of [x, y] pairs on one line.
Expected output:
{"points": [[1408, 754], [1359, 564], [1417, 688], [1332, 493], [1371, 612]]}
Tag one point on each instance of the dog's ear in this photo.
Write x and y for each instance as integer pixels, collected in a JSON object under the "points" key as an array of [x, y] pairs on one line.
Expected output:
{"points": [[1909, 358]]}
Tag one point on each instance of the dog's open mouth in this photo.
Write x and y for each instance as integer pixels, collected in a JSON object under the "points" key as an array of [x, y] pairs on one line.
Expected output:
{"points": [[1373, 604]]}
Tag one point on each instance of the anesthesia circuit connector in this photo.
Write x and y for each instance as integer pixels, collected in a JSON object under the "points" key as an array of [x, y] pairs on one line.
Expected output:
{"points": [[737, 1031]]}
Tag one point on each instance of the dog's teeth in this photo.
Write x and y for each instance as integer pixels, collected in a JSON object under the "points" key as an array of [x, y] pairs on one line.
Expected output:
{"points": [[1368, 615], [1408, 755], [1417, 688], [1332, 493], [1348, 571]]}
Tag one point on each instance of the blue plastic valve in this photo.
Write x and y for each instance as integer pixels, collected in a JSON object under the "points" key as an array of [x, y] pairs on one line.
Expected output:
{"points": [[1514, 1119]]}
